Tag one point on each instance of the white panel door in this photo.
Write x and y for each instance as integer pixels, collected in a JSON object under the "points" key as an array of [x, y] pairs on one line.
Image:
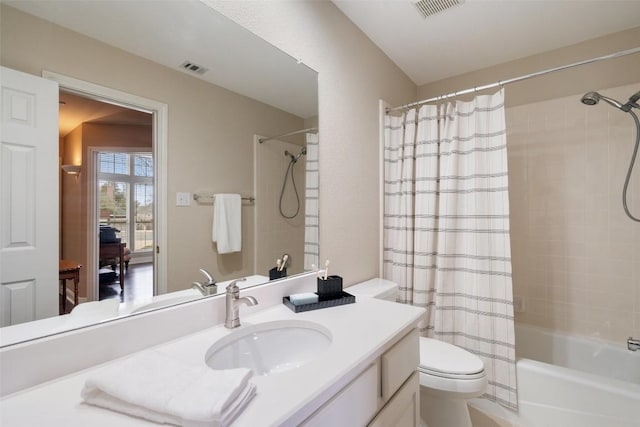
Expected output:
{"points": [[28, 197]]}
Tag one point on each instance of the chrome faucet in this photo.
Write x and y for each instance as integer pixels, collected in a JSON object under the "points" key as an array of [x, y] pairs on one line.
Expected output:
{"points": [[633, 344], [233, 300], [207, 288]]}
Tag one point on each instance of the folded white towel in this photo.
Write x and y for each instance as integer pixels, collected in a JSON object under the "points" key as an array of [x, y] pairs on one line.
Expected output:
{"points": [[227, 222], [162, 389]]}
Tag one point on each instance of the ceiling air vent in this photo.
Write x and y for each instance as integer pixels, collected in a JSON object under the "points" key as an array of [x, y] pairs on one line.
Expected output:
{"points": [[193, 67], [431, 7]]}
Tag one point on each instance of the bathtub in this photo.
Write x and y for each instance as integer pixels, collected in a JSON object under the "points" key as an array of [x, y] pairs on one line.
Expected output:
{"points": [[569, 381]]}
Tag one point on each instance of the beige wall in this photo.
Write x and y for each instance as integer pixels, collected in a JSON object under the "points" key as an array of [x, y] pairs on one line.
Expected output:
{"points": [[72, 234], [210, 132], [576, 256], [353, 75], [594, 76]]}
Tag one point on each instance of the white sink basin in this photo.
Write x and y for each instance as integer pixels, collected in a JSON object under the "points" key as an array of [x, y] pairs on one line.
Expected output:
{"points": [[271, 347]]}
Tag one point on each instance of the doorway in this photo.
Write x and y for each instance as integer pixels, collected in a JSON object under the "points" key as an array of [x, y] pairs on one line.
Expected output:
{"points": [[157, 117], [118, 142]]}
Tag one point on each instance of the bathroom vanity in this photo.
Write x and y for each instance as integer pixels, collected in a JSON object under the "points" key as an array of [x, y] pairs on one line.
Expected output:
{"points": [[365, 376]]}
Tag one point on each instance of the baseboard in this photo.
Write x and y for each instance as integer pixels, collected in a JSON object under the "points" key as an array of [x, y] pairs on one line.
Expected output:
{"points": [[144, 259]]}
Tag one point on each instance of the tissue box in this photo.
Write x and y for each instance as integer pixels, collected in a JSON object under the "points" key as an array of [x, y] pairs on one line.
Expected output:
{"points": [[275, 274], [332, 286]]}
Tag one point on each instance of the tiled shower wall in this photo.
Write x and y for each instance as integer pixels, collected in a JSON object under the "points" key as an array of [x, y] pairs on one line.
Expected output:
{"points": [[575, 255]]}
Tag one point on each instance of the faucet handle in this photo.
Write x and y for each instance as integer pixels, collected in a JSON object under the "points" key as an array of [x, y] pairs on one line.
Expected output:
{"points": [[233, 287], [210, 279]]}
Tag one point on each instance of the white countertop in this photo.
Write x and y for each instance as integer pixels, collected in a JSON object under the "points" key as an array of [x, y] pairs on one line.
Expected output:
{"points": [[361, 332], [90, 313]]}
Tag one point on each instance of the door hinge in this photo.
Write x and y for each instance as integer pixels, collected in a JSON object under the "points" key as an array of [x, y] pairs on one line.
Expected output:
{"points": [[157, 249]]}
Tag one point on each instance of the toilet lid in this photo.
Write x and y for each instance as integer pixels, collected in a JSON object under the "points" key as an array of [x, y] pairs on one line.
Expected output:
{"points": [[441, 357], [377, 288]]}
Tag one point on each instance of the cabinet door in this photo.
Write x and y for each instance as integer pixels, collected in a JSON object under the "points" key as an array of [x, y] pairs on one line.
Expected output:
{"points": [[353, 406], [399, 363], [403, 410]]}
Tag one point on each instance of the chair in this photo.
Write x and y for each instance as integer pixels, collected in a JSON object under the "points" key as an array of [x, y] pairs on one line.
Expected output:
{"points": [[113, 262], [115, 254], [68, 269]]}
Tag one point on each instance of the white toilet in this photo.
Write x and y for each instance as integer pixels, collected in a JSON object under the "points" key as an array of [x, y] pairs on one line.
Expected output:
{"points": [[449, 375]]}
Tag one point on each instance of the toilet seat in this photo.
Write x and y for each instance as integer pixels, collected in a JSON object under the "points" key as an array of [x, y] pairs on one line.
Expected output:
{"points": [[447, 360], [449, 375]]}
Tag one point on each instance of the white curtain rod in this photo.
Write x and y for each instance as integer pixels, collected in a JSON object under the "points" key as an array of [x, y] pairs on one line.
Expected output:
{"points": [[261, 140], [515, 79]]}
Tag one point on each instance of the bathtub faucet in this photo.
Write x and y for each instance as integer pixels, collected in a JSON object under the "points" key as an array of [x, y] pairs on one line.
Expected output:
{"points": [[633, 345]]}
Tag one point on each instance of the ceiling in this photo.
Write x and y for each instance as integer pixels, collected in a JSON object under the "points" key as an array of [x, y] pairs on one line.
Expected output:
{"points": [[75, 110], [172, 32], [481, 33], [471, 36]]}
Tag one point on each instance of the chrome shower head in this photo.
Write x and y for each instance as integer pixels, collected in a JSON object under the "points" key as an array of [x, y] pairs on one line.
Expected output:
{"points": [[592, 98], [295, 158], [290, 155]]}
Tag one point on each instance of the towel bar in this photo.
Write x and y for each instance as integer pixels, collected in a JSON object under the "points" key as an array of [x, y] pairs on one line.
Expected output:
{"points": [[197, 197]]}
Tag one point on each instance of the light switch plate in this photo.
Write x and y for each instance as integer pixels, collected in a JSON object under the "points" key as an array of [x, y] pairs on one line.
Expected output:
{"points": [[183, 199]]}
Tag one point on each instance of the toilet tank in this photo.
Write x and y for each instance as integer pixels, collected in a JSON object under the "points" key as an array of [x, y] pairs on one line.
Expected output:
{"points": [[376, 288]]}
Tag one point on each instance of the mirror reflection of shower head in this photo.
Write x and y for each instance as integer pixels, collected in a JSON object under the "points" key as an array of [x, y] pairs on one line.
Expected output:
{"points": [[289, 173], [288, 154], [295, 158]]}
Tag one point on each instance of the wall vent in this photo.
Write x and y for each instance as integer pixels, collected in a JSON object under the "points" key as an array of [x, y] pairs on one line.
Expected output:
{"points": [[431, 7], [193, 67]]}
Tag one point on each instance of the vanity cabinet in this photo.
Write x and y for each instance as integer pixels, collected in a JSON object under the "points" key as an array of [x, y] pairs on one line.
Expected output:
{"points": [[367, 376], [386, 393], [403, 410]]}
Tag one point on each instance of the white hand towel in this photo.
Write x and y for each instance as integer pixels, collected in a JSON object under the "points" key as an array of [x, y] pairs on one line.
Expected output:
{"points": [[227, 223], [162, 389]]}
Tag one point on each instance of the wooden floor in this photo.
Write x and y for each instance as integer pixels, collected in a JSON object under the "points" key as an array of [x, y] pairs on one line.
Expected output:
{"points": [[138, 284]]}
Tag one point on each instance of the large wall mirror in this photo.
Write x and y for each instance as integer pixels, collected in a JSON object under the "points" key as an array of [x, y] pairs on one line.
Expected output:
{"points": [[237, 116]]}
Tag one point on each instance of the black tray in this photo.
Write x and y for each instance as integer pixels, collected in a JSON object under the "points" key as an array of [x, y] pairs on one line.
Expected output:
{"points": [[324, 302]]}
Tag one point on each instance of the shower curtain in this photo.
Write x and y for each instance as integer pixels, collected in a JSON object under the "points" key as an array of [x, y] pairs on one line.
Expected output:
{"points": [[446, 229], [311, 221]]}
